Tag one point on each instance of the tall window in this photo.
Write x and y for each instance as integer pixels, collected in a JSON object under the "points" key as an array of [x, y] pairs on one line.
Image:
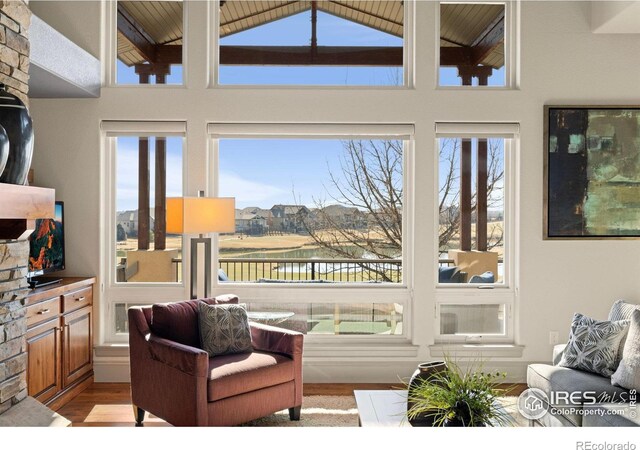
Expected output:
{"points": [[149, 168], [475, 233], [473, 44], [312, 42], [149, 42], [320, 210], [471, 234], [143, 166]]}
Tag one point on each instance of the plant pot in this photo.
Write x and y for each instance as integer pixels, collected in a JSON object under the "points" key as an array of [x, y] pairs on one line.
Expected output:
{"points": [[425, 371], [4, 148], [16, 121]]}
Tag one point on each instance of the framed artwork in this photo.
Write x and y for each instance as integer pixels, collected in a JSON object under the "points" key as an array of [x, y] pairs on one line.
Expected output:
{"points": [[592, 172]]}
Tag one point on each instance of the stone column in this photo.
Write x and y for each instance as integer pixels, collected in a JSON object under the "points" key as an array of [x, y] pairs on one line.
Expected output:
{"points": [[13, 322], [15, 18]]}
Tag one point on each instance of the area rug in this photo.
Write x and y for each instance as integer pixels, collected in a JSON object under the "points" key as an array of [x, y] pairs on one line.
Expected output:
{"points": [[317, 411], [341, 411]]}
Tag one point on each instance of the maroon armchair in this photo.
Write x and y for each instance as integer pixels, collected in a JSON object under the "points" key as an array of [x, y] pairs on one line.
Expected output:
{"points": [[172, 378]]}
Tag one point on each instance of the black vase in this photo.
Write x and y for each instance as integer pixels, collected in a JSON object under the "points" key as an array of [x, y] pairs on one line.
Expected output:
{"points": [[15, 119], [425, 371], [4, 148]]}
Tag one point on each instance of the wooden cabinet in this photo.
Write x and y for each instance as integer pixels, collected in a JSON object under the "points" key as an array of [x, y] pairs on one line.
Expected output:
{"points": [[77, 347], [60, 340], [44, 357]]}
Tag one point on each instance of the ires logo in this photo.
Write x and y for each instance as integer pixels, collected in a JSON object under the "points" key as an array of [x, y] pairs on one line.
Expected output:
{"points": [[576, 398], [534, 403]]}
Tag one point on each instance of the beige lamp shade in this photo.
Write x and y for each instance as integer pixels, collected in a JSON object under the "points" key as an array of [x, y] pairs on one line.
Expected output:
{"points": [[199, 215]]}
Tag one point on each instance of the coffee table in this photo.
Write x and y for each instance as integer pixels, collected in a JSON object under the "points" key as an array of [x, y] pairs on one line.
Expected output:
{"points": [[388, 409], [382, 408], [269, 317]]}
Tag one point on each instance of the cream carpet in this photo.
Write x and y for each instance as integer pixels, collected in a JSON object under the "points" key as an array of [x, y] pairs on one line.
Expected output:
{"points": [[341, 411], [317, 411]]}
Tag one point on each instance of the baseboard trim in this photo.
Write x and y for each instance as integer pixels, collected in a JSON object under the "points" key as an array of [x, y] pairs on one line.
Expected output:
{"points": [[70, 393]]}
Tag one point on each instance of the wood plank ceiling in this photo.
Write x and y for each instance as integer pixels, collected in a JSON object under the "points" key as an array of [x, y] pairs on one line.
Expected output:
{"points": [[160, 23], [464, 25]]}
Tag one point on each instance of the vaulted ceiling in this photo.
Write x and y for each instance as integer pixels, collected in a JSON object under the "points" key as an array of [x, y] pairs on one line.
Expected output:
{"points": [[152, 31]]}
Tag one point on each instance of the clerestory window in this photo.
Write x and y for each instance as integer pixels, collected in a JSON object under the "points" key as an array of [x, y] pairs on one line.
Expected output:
{"points": [[149, 42], [339, 43]]}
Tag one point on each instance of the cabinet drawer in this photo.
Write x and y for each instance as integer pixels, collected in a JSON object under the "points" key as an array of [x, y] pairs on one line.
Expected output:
{"points": [[43, 311], [77, 299]]}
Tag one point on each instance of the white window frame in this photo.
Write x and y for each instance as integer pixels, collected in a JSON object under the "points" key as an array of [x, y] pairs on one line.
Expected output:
{"points": [[401, 293], [408, 40], [110, 51], [511, 45], [113, 292], [473, 294]]}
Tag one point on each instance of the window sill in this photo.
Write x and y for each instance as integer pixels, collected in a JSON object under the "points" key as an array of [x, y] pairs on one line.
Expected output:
{"points": [[313, 350], [477, 350]]}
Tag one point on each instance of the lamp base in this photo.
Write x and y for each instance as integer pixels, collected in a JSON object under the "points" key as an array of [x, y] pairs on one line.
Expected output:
{"points": [[194, 266]]}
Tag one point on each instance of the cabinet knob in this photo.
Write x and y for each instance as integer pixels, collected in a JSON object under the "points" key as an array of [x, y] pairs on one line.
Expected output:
{"points": [[44, 311], [80, 299]]}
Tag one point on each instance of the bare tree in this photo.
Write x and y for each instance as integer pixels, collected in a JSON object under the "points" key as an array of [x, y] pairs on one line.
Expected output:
{"points": [[449, 193], [370, 184]]}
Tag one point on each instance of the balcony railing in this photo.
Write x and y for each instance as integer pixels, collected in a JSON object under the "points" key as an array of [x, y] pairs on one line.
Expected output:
{"points": [[305, 269]]}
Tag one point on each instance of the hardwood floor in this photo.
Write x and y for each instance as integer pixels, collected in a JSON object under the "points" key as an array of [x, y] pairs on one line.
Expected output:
{"points": [[109, 404]]}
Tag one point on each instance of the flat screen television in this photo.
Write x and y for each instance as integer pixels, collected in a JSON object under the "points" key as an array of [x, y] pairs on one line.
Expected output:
{"points": [[46, 249]]}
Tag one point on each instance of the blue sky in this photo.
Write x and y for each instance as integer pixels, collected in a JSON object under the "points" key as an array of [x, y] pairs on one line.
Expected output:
{"points": [[447, 146], [265, 172], [127, 171]]}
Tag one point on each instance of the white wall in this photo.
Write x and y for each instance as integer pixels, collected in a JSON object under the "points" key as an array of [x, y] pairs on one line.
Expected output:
{"points": [[562, 62], [78, 20]]}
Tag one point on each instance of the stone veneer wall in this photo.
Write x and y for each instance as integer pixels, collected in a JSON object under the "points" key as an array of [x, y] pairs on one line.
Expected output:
{"points": [[15, 18], [13, 322]]}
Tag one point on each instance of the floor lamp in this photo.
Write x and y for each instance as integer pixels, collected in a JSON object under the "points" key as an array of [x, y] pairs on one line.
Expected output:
{"points": [[200, 215]]}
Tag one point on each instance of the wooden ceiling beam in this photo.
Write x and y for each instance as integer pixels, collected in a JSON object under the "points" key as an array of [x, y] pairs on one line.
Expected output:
{"points": [[168, 54], [488, 40], [302, 56], [455, 56], [136, 35]]}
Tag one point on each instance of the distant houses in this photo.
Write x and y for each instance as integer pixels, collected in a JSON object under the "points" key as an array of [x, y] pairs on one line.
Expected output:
{"points": [[279, 219], [289, 218], [128, 220], [253, 221]]}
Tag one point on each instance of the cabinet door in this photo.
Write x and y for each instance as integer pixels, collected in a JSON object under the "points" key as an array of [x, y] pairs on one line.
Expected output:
{"points": [[44, 357], [78, 345]]}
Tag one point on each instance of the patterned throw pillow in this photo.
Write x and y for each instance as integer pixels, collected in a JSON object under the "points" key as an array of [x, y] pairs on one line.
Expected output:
{"points": [[224, 329], [593, 345]]}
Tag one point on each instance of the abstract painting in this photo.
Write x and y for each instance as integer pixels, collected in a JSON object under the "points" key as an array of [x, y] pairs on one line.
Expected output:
{"points": [[592, 172]]}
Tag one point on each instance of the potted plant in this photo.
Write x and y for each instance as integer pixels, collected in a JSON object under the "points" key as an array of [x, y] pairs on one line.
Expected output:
{"points": [[457, 397]]}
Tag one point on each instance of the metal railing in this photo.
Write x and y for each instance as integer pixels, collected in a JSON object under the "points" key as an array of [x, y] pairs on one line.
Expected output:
{"points": [[305, 269]]}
